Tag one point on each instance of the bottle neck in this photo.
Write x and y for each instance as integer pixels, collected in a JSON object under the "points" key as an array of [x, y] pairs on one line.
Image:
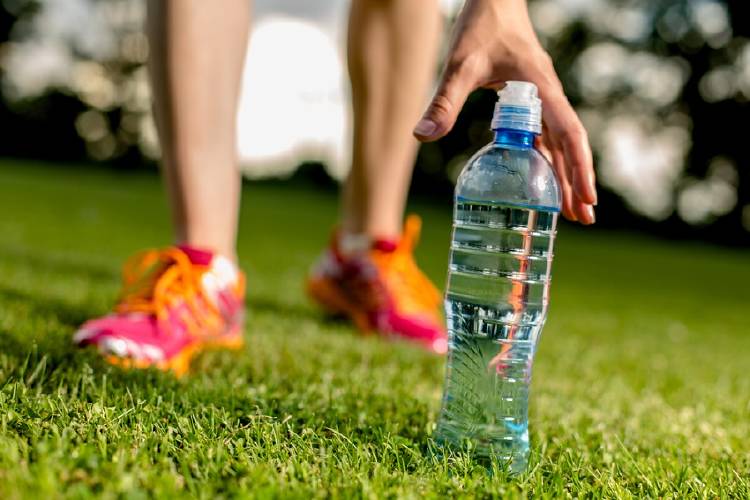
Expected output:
{"points": [[514, 138]]}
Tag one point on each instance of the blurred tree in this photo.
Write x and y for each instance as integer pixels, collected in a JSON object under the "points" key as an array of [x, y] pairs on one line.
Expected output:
{"points": [[662, 85], [74, 81]]}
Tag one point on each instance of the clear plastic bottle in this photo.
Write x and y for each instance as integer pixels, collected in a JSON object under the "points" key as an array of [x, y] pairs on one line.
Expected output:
{"points": [[507, 203]]}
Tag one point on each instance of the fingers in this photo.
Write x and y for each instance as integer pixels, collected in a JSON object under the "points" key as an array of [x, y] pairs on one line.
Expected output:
{"points": [[566, 133], [558, 162], [584, 212], [578, 158], [544, 146], [573, 208], [457, 81]]}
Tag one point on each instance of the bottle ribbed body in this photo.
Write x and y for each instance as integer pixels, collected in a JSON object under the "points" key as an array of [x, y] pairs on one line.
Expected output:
{"points": [[505, 218]]}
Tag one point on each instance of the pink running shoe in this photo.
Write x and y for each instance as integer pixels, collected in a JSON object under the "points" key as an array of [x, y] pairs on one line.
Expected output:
{"points": [[175, 303], [382, 289]]}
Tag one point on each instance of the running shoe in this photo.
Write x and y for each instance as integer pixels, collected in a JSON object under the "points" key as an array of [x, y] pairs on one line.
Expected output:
{"points": [[381, 289], [175, 303]]}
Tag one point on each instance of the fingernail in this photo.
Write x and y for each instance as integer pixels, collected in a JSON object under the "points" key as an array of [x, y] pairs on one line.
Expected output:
{"points": [[425, 127], [591, 214]]}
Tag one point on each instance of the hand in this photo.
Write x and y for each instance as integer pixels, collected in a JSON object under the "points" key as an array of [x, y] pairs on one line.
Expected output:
{"points": [[494, 42]]}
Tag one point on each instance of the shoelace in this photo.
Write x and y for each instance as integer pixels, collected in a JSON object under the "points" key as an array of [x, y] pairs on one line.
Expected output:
{"points": [[402, 272], [154, 280]]}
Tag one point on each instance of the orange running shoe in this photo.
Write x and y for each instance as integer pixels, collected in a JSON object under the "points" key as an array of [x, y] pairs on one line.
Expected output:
{"points": [[175, 303], [382, 289]]}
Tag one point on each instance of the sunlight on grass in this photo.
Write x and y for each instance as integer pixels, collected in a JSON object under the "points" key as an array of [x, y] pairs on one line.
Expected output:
{"points": [[639, 390]]}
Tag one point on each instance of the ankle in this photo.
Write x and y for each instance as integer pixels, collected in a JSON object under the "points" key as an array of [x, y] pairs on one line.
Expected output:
{"points": [[362, 237], [352, 244], [196, 249]]}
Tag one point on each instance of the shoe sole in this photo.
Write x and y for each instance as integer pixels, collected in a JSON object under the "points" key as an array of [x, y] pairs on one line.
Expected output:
{"points": [[179, 364]]}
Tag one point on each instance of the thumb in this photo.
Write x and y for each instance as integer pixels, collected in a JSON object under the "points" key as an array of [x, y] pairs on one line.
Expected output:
{"points": [[440, 116]]}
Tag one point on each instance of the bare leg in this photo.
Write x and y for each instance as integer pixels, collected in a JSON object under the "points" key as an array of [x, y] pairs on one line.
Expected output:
{"points": [[392, 59], [197, 53]]}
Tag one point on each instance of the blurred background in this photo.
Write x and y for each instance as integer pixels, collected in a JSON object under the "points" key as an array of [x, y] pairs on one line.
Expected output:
{"points": [[661, 85]]}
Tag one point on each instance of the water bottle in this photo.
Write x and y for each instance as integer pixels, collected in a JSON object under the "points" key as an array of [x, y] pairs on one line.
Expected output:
{"points": [[507, 202]]}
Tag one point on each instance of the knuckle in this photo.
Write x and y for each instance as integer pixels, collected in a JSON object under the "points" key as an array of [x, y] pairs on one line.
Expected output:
{"points": [[441, 106], [574, 134], [546, 60], [540, 59], [464, 66]]}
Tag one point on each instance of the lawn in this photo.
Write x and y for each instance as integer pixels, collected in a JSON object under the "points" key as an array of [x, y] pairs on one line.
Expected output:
{"points": [[640, 389]]}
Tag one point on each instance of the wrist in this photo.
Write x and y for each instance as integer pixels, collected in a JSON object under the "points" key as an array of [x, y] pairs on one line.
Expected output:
{"points": [[498, 18]]}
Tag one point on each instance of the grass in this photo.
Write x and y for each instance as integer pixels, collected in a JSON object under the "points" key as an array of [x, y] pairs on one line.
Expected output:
{"points": [[640, 388]]}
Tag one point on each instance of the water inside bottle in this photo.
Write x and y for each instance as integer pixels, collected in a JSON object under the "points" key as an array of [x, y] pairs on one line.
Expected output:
{"points": [[496, 302]]}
